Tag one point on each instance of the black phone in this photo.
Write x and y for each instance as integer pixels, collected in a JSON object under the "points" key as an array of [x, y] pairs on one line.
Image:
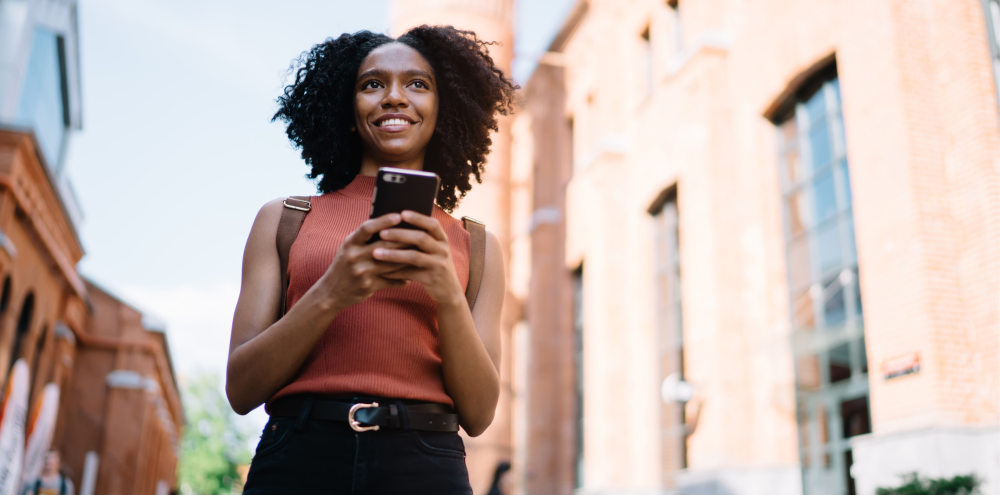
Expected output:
{"points": [[398, 189]]}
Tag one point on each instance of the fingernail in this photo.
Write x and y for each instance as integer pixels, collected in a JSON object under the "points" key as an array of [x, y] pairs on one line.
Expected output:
{"points": [[378, 252]]}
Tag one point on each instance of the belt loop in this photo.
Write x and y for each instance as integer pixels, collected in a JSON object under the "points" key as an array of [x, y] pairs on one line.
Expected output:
{"points": [[404, 416], [307, 406], [393, 416]]}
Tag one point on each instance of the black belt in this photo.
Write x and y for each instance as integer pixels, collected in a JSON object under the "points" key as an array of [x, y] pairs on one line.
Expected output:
{"points": [[364, 416]]}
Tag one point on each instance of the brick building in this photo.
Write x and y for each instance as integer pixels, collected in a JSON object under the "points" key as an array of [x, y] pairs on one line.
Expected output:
{"points": [[119, 415], [793, 207], [790, 208]]}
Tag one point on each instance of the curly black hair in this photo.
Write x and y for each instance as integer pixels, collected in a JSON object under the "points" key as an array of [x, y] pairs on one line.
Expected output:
{"points": [[318, 108]]}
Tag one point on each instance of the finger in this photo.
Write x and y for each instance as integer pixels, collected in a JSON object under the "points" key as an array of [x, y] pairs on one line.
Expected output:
{"points": [[409, 237], [407, 273], [429, 224], [389, 283], [403, 256], [373, 266], [370, 227]]}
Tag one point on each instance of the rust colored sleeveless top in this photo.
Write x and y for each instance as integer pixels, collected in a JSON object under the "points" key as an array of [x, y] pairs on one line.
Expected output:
{"points": [[386, 346]]}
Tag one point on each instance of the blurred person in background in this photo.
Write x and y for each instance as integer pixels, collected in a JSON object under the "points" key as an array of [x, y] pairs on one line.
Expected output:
{"points": [[501, 480], [380, 333], [51, 481]]}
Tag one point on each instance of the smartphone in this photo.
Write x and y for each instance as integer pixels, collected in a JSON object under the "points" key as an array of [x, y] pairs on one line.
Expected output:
{"points": [[398, 189]]}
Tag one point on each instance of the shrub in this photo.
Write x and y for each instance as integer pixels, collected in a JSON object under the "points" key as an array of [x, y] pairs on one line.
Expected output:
{"points": [[913, 484]]}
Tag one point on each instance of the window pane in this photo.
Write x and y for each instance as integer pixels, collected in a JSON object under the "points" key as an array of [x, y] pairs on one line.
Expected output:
{"points": [[789, 133], [857, 297], [807, 372], [798, 213], [802, 309], [825, 193], [995, 18], [793, 166], [839, 148], [816, 107], [798, 262], [41, 105], [834, 310], [854, 414], [819, 141], [864, 355], [847, 222], [844, 177], [835, 87], [828, 243], [840, 363]]}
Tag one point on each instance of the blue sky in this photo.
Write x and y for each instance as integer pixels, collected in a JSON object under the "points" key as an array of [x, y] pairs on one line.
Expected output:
{"points": [[178, 153]]}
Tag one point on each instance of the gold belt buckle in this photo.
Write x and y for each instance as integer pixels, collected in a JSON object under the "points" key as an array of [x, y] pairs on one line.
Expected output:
{"points": [[355, 424]]}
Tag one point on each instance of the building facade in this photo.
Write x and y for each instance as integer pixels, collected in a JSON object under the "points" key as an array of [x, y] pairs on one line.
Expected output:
{"points": [[778, 225], [752, 246], [119, 415]]}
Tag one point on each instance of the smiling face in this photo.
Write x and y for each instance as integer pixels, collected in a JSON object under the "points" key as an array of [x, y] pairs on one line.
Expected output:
{"points": [[395, 105]]}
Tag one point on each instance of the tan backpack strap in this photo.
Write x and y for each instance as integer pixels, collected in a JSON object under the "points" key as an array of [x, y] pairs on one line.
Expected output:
{"points": [[477, 257], [292, 216]]}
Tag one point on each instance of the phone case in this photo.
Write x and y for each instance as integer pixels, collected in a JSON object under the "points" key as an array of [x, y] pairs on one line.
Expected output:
{"points": [[399, 189]]}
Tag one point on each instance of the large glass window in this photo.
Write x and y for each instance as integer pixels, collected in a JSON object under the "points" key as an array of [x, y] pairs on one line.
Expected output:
{"points": [[825, 298], [578, 378], [671, 337], [991, 12], [43, 95]]}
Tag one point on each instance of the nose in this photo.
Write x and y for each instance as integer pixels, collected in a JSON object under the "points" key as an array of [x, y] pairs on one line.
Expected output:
{"points": [[395, 97]]}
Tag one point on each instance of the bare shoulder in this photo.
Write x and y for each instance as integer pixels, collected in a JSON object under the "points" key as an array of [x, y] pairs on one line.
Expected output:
{"points": [[265, 226], [494, 269]]}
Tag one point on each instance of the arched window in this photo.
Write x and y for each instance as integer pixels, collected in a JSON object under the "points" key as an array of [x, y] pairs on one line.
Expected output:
{"points": [[23, 326], [824, 294]]}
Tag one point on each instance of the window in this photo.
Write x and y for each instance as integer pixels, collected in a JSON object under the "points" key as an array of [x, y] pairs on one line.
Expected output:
{"points": [[992, 15], [673, 429], [23, 328], [44, 93], [578, 378], [825, 297]]}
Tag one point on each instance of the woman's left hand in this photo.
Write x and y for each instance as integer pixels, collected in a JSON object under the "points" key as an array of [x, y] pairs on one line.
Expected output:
{"points": [[430, 263]]}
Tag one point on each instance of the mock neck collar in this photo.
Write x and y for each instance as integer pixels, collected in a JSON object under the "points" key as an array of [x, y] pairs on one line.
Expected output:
{"points": [[362, 187]]}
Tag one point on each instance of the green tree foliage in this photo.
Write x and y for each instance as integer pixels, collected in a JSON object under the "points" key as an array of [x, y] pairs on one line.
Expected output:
{"points": [[915, 485], [213, 444]]}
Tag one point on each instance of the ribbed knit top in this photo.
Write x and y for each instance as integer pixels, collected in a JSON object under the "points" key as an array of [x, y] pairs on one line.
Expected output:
{"points": [[386, 346]]}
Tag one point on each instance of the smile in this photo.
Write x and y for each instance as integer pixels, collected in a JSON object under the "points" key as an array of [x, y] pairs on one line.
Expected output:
{"points": [[393, 123]]}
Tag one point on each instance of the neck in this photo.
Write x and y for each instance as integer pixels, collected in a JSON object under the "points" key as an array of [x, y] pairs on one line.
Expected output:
{"points": [[371, 164]]}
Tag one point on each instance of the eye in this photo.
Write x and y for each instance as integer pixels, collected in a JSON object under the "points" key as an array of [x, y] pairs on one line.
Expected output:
{"points": [[373, 84], [420, 84]]}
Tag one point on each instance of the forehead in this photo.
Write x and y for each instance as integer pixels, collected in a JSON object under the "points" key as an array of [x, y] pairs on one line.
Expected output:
{"points": [[395, 57]]}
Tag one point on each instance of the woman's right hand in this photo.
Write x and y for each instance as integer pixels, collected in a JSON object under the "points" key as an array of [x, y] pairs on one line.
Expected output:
{"points": [[354, 275]]}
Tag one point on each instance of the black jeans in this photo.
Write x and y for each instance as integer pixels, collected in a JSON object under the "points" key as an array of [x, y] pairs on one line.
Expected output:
{"points": [[316, 456]]}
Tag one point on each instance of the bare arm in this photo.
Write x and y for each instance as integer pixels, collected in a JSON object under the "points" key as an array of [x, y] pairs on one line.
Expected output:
{"points": [[469, 340], [265, 354]]}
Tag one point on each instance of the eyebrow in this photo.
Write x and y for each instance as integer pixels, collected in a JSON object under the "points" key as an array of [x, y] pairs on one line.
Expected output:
{"points": [[385, 73]]}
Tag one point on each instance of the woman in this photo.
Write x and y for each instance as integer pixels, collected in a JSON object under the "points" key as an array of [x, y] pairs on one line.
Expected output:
{"points": [[387, 322]]}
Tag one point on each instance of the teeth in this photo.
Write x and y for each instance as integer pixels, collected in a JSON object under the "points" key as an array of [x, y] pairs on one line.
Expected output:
{"points": [[393, 122]]}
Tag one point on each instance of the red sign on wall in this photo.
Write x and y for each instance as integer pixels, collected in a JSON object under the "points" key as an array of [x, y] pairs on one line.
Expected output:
{"points": [[903, 365]]}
